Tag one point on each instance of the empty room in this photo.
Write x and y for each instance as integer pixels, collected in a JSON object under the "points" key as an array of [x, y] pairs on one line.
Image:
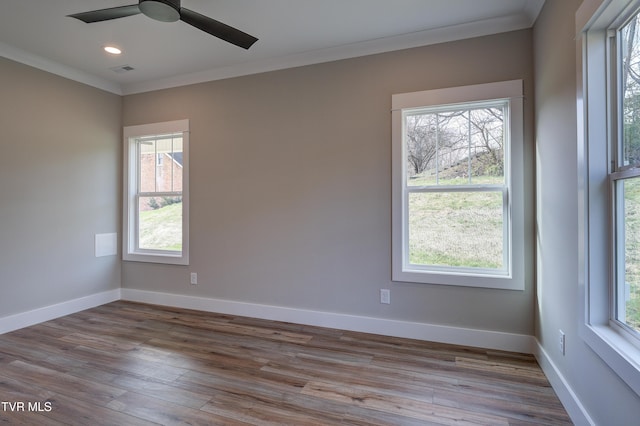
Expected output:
{"points": [[353, 212]]}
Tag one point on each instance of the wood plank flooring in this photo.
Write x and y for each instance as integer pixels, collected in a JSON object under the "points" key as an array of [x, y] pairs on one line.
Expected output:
{"points": [[134, 364]]}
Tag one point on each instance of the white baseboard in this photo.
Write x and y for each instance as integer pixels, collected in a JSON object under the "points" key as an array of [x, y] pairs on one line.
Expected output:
{"points": [[36, 316], [568, 397], [413, 330]]}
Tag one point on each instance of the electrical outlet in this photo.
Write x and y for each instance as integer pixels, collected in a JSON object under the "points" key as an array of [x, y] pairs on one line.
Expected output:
{"points": [[194, 278], [385, 296], [561, 341]]}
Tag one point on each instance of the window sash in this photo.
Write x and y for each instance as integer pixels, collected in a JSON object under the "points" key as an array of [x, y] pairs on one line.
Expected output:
{"points": [[618, 308], [138, 224], [146, 140], [462, 270], [464, 110]]}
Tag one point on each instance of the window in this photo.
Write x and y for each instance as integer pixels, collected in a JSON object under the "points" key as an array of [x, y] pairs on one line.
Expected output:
{"points": [[609, 161], [457, 202], [625, 178], [156, 188]]}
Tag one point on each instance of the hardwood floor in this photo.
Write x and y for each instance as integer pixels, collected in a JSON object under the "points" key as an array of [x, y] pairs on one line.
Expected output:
{"points": [[134, 364]]}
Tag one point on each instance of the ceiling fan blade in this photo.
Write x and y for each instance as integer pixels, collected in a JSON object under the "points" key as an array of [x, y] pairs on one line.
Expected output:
{"points": [[217, 29], [107, 14]]}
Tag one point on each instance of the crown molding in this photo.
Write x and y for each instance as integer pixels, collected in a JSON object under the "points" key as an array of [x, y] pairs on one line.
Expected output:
{"points": [[354, 50], [35, 61]]}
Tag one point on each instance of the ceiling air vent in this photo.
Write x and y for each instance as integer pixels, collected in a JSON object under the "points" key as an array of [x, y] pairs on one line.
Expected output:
{"points": [[122, 68]]}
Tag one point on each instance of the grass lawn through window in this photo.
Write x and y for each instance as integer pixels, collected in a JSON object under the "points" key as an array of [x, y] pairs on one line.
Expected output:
{"points": [[161, 229]]}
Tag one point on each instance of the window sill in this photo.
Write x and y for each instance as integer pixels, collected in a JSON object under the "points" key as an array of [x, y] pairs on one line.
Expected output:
{"points": [[501, 282], [616, 351], [156, 258]]}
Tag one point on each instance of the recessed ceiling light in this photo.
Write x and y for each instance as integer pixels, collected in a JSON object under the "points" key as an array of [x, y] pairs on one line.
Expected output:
{"points": [[113, 50]]}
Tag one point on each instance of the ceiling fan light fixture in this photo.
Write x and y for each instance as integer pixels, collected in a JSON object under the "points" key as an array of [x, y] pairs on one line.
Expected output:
{"points": [[161, 10]]}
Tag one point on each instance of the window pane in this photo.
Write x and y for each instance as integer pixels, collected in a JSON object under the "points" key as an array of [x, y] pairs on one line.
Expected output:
{"points": [[160, 223], [630, 81], [628, 280], [453, 149], [176, 165], [420, 135], [169, 172], [459, 229], [161, 164], [147, 166], [456, 147], [487, 142]]}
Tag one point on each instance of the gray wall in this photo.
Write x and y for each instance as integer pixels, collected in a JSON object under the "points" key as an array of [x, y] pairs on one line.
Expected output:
{"points": [[290, 185], [59, 185], [607, 399]]}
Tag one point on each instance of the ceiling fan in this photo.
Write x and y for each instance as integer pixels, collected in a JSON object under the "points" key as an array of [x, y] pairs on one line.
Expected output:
{"points": [[170, 11]]}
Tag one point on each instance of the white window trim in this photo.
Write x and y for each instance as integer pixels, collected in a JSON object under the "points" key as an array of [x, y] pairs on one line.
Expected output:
{"points": [[605, 338], [129, 252], [512, 90]]}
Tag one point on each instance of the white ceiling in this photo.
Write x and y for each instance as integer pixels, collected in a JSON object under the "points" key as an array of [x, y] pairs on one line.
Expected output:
{"points": [[291, 33]]}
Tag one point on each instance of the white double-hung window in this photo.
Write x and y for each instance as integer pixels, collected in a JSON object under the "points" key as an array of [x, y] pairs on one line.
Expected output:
{"points": [[609, 166], [457, 179], [156, 193]]}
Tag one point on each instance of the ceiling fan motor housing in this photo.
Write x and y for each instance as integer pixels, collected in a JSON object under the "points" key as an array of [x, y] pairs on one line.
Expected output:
{"points": [[161, 10]]}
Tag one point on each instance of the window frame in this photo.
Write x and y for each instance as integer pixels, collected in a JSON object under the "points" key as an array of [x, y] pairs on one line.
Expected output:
{"points": [[130, 250], [597, 22], [512, 277]]}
